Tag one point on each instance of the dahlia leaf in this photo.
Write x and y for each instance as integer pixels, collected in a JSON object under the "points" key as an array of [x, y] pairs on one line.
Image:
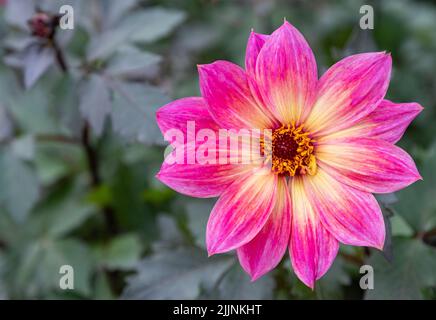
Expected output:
{"points": [[144, 26], [6, 125], [175, 274], [36, 62], [130, 62], [40, 263], [416, 203], [19, 186], [198, 214], [133, 112], [236, 285], [121, 253], [411, 271], [95, 102]]}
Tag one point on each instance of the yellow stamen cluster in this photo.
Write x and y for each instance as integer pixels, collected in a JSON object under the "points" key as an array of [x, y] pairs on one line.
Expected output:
{"points": [[290, 151]]}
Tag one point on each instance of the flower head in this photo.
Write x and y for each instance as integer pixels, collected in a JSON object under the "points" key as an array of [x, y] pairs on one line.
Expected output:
{"points": [[330, 146]]}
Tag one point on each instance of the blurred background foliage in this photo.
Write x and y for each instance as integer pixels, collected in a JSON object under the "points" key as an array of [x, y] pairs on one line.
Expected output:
{"points": [[79, 147]]}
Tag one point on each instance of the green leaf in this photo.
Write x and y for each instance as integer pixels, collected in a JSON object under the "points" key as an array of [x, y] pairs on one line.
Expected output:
{"points": [[102, 289], [36, 62], [37, 272], [121, 253], [116, 9], [411, 271], [152, 24], [24, 147], [33, 109], [3, 289], [55, 160], [198, 211], [175, 274], [130, 62], [6, 125], [19, 186], [143, 26], [400, 227], [95, 103], [18, 12], [330, 285], [236, 285], [416, 203], [133, 113], [61, 213]]}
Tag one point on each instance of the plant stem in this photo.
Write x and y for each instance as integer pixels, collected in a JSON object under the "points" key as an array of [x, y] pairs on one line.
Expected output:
{"points": [[93, 166], [92, 160]]}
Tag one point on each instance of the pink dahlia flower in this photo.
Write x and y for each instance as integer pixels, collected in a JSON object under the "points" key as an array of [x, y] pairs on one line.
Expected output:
{"points": [[331, 146]]}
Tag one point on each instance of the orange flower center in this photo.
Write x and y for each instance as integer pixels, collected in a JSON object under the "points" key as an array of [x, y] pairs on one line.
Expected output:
{"points": [[290, 151]]}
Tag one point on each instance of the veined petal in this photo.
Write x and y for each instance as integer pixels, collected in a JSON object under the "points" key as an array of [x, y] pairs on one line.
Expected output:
{"points": [[241, 211], [266, 250], [352, 216], [286, 74], [312, 248], [349, 91], [177, 114], [225, 88], [184, 172], [387, 122], [255, 43], [370, 165]]}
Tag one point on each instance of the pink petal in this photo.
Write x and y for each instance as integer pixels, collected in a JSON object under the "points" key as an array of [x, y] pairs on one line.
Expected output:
{"points": [[387, 122], [225, 88], [349, 91], [197, 179], [255, 43], [312, 248], [177, 114], [286, 74], [241, 211], [266, 250], [353, 217], [370, 165]]}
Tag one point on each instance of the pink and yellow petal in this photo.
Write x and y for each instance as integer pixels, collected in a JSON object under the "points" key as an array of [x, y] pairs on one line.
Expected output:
{"points": [[184, 171], [225, 88], [286, 75], [370, 165], [254, 45], [387, 122], [241, 211], [312, 248], [267, 248], [352, 216], [348, 92]]}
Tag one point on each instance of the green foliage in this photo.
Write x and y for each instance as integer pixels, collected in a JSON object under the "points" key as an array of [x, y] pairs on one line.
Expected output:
{"points": [[79, 149]]}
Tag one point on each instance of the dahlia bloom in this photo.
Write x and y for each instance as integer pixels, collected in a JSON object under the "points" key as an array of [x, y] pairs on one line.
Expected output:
{"points": [[332, 147]]}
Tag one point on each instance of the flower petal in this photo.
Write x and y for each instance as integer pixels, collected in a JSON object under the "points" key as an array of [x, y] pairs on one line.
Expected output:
{"points": [[312, 248], [177, 114], [225, 88], [353, 217], [255, 43], [348, 91], [286, 74], [267, 248], [183, 172], [370, 165], [387, 122], [241, 211]]}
